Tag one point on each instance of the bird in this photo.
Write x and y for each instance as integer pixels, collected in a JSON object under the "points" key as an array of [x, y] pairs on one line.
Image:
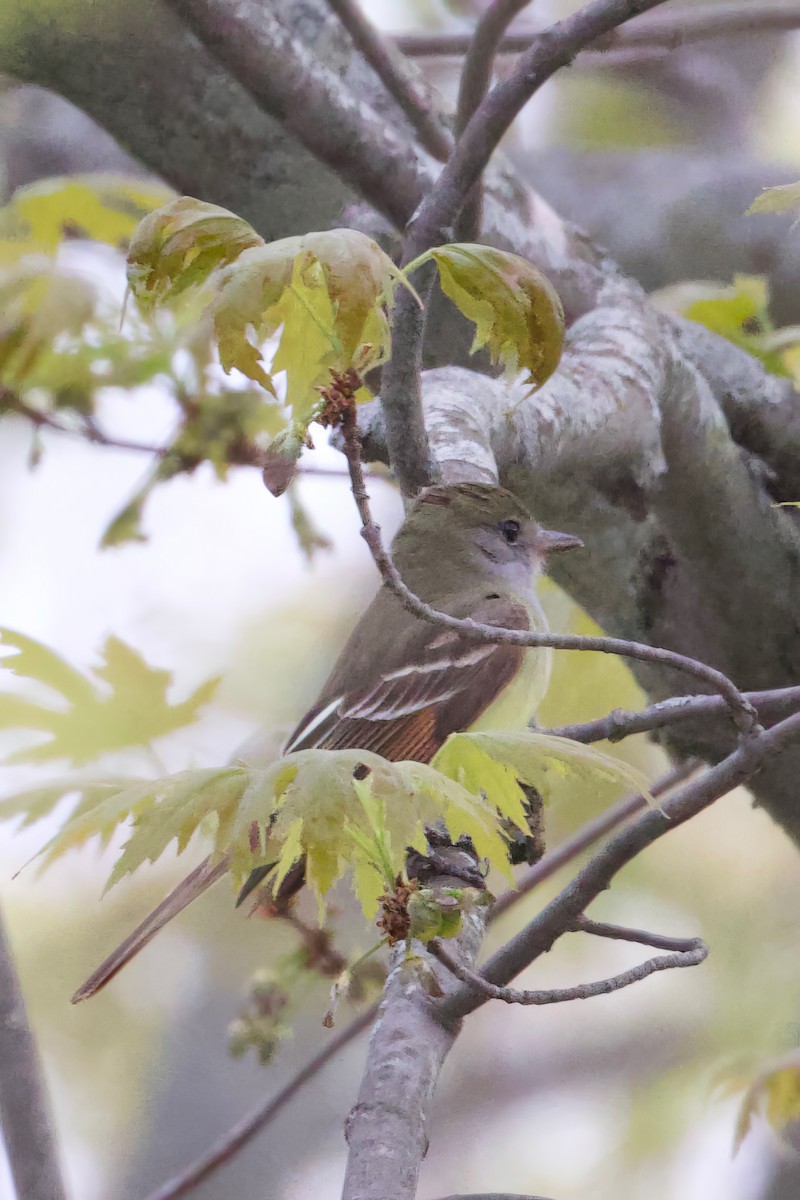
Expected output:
{"points": [[402, 684]]}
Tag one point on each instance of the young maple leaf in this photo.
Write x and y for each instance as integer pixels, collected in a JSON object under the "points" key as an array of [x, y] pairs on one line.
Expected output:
{"points": [[122, 703]]}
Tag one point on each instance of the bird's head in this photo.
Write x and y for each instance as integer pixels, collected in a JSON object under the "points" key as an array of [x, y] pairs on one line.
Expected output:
{"points": [[477, 526]]}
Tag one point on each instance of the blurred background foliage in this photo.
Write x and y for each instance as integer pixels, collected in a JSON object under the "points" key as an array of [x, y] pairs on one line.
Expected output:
{"points": [[614, 1098]]}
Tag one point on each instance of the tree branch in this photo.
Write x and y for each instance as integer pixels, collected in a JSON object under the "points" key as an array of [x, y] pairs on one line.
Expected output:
{"points": [[407, 85], [642, 937], [406, 436], [550, 50], [386, 1130], [341, 130], [262, 1115], [667, 31], [25, 1117], [562, 912], [440, 209], [689, 952], [585, 837], [476, 78], [620, 724]]}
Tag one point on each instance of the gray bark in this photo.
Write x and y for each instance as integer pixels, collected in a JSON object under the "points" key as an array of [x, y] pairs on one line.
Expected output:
{"points": [[387, 1129], [25, 1118]]}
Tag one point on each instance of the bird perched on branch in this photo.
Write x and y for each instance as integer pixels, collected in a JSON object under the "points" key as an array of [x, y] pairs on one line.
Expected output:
{"points": [[403, 684]]}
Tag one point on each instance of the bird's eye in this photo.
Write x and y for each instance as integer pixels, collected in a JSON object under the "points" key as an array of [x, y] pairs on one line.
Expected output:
{"points": [[510, 531]]}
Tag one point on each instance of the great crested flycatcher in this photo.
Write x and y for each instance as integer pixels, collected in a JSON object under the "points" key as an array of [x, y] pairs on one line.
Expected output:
{"points": [[402, 685]]}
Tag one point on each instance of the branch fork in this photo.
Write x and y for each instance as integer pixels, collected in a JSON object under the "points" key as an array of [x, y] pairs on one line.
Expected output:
{"points": [[686, 952]]}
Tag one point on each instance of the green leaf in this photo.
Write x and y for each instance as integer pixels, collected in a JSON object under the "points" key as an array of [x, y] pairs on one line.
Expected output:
{"points": [[178, 247], [173, 809], [310, 538], [779, 199], [515, 309], [40, 304], [493, 762], [35, 803], [775, 1095], [33, 660], [103, 207], [126, 526], [325, 295], [309, 346], [311, 804], [128, 708], [739, 313]]}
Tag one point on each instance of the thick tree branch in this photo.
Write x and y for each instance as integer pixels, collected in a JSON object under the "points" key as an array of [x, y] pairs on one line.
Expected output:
{"points": [[762, 410], [25, 1117], [276, 68], [688, 952], [197, 127], [386, 1130]]}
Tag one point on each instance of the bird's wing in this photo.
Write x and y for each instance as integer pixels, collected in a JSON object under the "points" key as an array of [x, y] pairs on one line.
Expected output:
{"points": [[435, 684], [440, 684]]}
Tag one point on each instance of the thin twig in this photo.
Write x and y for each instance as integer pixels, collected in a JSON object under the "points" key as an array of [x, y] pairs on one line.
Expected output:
{"points": [[493, 1196], [550, 50], [402, 81], [619, 724], [25, 1117], [691, 952], [42, 420], [262, 1115], [586, 836], [561, 913], [744, 715], [476, 78], [667, 31], [248, 455], [623, 933]]}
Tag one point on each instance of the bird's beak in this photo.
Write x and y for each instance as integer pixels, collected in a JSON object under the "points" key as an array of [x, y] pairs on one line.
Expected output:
{"points": [[548, 541]]}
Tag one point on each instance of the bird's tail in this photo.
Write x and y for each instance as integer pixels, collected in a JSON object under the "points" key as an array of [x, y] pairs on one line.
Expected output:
{"points": [[187, 890]]}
